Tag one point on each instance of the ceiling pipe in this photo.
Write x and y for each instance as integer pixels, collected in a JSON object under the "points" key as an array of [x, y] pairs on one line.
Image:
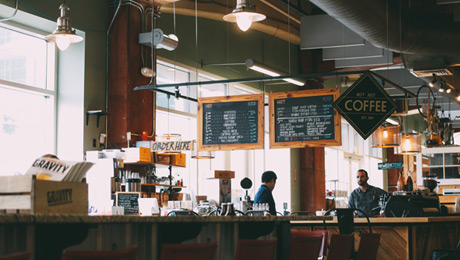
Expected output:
{"points": [[426, 34]]}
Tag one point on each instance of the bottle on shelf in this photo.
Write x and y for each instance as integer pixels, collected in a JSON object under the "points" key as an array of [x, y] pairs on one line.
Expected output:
{"points": [[410, 183], [400, 186]]}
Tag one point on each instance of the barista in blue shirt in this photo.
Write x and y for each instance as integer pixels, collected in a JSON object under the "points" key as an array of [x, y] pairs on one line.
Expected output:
{"points": [[264, 194]]}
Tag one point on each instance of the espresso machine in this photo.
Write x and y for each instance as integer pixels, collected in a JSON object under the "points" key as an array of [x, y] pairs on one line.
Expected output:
{"points": [[246, 202]]}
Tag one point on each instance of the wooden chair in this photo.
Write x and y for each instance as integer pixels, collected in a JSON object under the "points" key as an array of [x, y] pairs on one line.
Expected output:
{"points": [[16, 256], [203, 251], [256, 249], [368, 246], [341, 247], [129, 253], [306, 245]]}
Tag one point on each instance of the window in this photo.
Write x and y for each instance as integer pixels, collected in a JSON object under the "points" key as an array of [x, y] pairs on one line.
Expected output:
{"points": [[27, 98], [441, 162], [198, 175]]}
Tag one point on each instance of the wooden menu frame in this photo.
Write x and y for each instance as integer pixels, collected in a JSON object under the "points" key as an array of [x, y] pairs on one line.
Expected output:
{"points": [[242, 146], [337, 141]]}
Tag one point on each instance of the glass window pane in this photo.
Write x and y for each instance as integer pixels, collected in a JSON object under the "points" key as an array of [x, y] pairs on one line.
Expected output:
{"points": [[27, 129], [23, 58]]}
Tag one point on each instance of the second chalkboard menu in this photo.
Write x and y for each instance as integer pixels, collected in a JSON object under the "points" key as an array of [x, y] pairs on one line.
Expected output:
{"points": [[231, 122], [304, 118]]}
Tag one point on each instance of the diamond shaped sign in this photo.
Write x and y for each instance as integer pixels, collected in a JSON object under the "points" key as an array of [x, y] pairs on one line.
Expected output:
{"points": [[365, 105]]}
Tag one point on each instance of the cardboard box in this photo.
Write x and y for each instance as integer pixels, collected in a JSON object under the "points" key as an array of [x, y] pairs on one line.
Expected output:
{"points": [[224, 174], [138, 154], [26, 195]]}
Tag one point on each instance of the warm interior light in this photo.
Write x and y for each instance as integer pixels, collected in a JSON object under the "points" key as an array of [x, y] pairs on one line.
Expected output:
{"points": [[244, 15], [64, 35], [244, 20], [407, 144], [458, 97], [386, 136], [63, 42], [448, 90]]}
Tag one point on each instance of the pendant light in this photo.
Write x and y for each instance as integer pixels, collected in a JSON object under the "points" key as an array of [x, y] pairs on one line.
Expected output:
{"points": [[64, 35], [411, 143], [244, 15], [386, 136]]}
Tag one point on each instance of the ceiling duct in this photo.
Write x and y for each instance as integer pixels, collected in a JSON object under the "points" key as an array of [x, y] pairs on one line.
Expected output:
{"points": [[427, 34]]}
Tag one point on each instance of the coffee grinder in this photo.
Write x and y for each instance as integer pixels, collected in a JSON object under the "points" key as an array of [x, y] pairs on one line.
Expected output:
{"points": [[246, 203]]}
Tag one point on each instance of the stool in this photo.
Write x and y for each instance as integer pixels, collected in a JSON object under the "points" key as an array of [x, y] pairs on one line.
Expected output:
{"points": [[203, 251], [16, 256], [306, 245], [256, 249], [129, 253], [368, 246], [341, 247]]}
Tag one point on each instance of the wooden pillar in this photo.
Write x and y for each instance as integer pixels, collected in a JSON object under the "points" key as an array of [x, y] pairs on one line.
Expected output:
{"points": [[312, 176], [312, 179], [129, 110]]}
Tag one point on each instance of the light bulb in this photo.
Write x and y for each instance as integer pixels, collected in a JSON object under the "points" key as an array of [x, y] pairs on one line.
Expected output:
{"points": [[458, 98], [63, 42], [448, 90], [407, 144], [385, 133], [244, 21]]}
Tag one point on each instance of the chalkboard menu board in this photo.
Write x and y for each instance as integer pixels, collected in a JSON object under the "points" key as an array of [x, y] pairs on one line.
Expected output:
{"points": [[304, 118], [129, 200], [228, 123]]}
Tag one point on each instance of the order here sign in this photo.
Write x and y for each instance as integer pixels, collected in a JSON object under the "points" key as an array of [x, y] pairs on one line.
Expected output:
{"points": [[365, 105]]}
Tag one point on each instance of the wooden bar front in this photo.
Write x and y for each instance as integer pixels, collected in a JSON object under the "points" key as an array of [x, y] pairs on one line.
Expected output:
{"points": [[402, 238]]}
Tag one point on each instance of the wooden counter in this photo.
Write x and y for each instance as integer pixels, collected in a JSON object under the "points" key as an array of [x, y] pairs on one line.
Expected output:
{"points": [[402, 238], [46, 236]]}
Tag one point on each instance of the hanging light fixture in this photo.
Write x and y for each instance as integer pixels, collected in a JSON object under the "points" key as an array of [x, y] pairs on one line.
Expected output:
{"points": [[64, 35], [244, 15], [386, 136], [256, 66], [410, 143]]}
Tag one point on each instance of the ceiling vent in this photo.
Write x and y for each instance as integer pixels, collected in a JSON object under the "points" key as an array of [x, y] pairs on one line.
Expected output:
{"points": [[429, 73]]}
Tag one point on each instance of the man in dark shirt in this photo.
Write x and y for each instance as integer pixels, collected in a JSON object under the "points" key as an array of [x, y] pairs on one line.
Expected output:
{"points": [[365, 197], [264, 194]]}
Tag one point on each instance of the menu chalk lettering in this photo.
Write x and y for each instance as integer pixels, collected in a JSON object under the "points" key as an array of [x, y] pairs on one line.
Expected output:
{"points": [[228, 122], [304, 118], [128, 200]]}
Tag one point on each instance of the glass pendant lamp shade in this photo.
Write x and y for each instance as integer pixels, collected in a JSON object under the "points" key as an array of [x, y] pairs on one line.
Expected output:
{"points": [[244, 15], [386, 136], [410, 143], [64, 35], [202, 154]]}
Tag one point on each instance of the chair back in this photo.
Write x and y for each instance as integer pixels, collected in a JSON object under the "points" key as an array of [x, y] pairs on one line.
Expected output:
{"points": [[341, 247], [16, 256], [306, 245], [202, 251], [256, 249], [129, 253], [368, 246]]}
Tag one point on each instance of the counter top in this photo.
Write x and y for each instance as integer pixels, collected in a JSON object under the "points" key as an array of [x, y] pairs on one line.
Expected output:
{"points": [[56, 219], [387, 220]]}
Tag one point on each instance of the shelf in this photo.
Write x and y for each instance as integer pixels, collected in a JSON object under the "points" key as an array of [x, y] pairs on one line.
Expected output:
{"points": [[162, 185], [158, 165]]}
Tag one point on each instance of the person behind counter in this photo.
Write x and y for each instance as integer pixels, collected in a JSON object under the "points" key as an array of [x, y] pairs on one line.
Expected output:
{"points": [[264, 194], [365, 197]]}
